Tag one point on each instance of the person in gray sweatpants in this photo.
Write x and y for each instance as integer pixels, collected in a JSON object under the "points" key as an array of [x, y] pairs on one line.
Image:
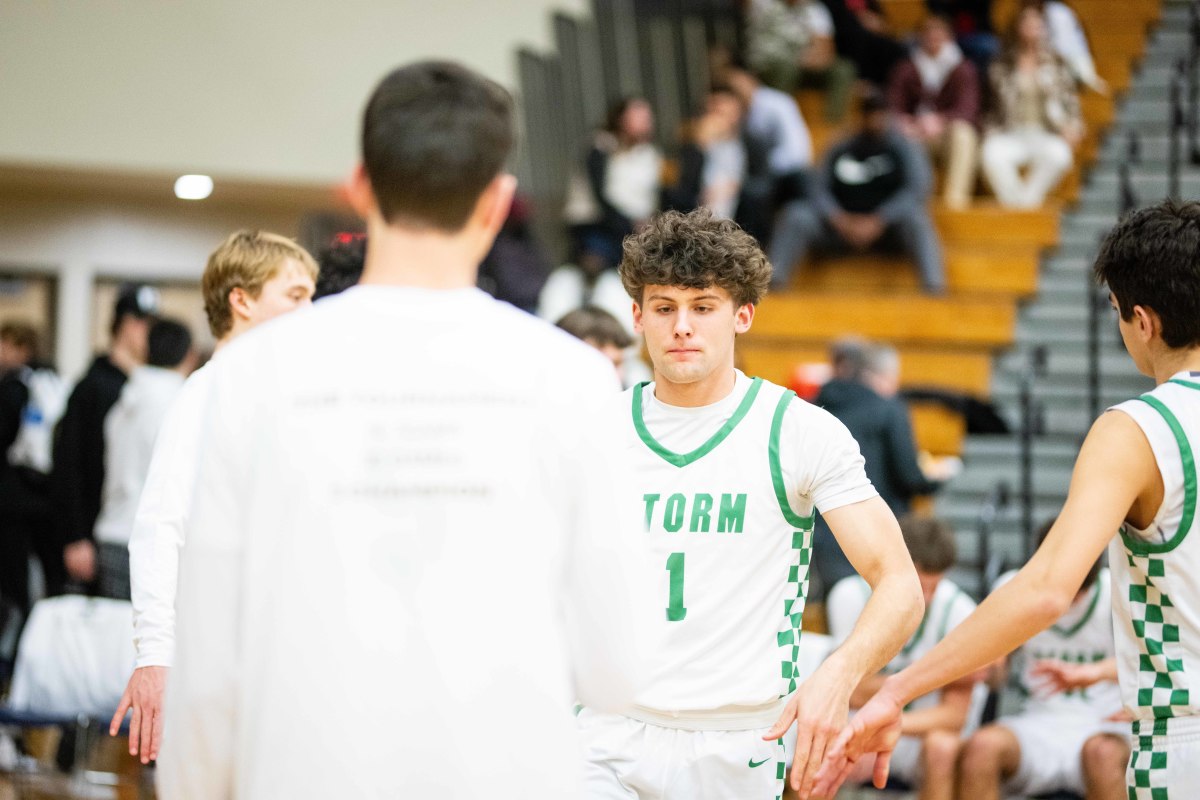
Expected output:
{"points": [[869, 194]]}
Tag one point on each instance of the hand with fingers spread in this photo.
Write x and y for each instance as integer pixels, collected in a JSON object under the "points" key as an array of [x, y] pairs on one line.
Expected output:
{"points": [[819, 709], [875, 729], [144, 695], [1063, 676]]}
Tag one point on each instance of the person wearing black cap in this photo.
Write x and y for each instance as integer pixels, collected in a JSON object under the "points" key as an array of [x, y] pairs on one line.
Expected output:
{"points": [[78, 477], [869, 194]]}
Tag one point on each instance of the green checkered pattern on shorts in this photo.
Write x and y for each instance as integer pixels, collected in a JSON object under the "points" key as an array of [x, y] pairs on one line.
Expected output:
{"points": [[1148, 766], [793, 608]]}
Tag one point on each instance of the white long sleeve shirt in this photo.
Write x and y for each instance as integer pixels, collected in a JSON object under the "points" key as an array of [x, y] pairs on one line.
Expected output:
{"points": [[130, 430], [403, 562], [161, 521]]}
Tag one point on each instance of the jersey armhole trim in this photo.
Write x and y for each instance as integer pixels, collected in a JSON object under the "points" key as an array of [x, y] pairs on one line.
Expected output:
{"points": [[683, 459], [1140, 547], [802, 522], [1182, 382], [1067, 633]]}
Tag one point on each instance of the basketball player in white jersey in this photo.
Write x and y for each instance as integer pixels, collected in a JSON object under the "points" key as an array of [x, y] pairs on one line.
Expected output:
{"points": [[932, 724], [404, 560], [1058, 741], [726, 473], [252, 277], [1134, 491]]}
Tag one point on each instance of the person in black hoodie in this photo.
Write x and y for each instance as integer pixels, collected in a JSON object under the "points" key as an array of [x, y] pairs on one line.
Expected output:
{"points": [[78, 476], [862, 395]]}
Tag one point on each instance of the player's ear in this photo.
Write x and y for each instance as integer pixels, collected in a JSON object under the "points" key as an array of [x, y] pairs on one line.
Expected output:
{"points": [[637, 318], [743, 318], [1149, 323], [239, 303], [359, 193], [496, 201]]}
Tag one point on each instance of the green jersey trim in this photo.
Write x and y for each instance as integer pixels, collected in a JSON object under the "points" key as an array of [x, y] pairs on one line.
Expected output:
{"points": [[917, 634], [804, 523], [683, 459], [1141, 547], [1067, 633], [1182, 382]]}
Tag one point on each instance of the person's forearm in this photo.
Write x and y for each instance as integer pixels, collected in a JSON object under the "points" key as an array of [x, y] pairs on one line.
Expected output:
{"points": [[1027, 604], [948, 715], [866, 689], [887, 622]]}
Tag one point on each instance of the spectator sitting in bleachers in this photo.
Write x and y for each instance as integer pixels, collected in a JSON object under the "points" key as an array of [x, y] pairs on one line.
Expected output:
{"points": [[870, 193], [619, 187], [775, 128], [790, 44], [1036, 119], [860, 34], [1069, 41], [712, 160], [341, 264], [931, 724], [600, 329], [515, 269], [972, 20], [934, 96]]}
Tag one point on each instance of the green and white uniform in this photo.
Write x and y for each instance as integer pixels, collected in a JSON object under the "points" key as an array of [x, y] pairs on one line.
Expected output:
{"points": [[1156, 603], [946, 611], [1052, 729], [727, 493]]}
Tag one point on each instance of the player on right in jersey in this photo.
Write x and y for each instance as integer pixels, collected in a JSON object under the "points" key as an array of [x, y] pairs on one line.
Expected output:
{"points": [[1060, 741], [1134, 491], [726, 472]]}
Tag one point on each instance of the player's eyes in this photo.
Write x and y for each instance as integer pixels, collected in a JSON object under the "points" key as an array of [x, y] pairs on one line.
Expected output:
{"points": [[664, 309]]}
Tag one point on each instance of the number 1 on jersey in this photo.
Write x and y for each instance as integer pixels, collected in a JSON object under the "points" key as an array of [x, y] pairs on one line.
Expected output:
{"points": [[675, 609]]}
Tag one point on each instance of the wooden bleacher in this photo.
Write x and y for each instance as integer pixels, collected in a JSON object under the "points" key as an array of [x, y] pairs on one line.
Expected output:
{"points": [[991, 254]]}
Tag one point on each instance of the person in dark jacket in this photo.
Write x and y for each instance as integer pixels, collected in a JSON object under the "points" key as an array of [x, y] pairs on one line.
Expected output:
{"points": [[862, 395], [934, 97], [869, 194], [78, 477]]}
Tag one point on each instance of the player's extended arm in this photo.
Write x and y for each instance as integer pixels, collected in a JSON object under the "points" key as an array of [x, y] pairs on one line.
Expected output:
{"points": [[950, 714], [1063, 676], [870, 536], [866, 689], [1114, 468]]}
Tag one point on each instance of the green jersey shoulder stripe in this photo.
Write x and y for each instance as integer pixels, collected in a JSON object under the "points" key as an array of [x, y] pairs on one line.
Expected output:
{"points": [[683, 459], [1141, 547], [804, 523]]}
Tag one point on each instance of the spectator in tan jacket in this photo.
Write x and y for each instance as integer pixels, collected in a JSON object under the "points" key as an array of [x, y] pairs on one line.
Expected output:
{"points": [[1036, 122], [934, 96]]}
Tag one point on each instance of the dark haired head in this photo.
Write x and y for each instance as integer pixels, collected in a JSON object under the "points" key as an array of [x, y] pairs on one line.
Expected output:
{"points": [[930, 542], [434, 135], [595, 326], [341, 265], [695, 250], [1152, 259], [168, 344]]}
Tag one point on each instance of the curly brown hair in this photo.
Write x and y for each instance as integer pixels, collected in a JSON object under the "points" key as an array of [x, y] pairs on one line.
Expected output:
{"points": [[695, 250]]}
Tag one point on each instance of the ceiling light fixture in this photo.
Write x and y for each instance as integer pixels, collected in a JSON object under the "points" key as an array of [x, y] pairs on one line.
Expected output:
{"points": [[193, 187]]}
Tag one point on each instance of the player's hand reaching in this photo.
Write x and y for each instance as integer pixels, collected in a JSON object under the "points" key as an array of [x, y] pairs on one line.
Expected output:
{"points": [[875, 729], [819, 708], [1062, 676], [143, 694]]}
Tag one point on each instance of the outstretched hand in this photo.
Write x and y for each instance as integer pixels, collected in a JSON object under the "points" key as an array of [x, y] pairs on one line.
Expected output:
{"points": [[875, 729], [144, 695], [1062, 676], [819, 709]]}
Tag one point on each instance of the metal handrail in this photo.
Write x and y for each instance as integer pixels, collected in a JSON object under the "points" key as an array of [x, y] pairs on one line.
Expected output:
{"points": [[1193, 83], [991, 563], [1032, 424], [1177, 123]]}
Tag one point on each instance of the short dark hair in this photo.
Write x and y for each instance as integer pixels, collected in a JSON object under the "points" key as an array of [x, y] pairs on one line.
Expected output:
{"points": [[341, 264], [21, 334], [930, 542], [1092, 573], [695, 250], [434, 136], [167, 344], [1152, 259], [597, 325]]}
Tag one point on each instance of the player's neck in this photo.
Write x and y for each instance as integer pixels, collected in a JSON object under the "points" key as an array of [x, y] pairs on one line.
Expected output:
{"points": [[713, 389], [420, 259], [1172, 362]]}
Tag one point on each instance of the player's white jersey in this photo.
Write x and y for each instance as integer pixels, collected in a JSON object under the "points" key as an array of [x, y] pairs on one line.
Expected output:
{"points": [[728, 511], [948, 608], [1083, 635], [1156, 572]]}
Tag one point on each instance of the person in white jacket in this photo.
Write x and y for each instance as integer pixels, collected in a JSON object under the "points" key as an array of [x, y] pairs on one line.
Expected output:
{"points": [[253, 276], [403, 542]]}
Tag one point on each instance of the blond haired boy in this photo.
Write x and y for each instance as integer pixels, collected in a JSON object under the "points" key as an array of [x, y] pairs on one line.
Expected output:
{"points": [[252, 277]]}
